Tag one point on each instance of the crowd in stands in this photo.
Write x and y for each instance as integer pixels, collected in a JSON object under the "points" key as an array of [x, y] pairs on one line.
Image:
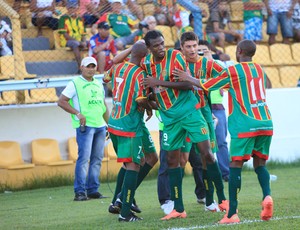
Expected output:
{"points": [[126, 21]]}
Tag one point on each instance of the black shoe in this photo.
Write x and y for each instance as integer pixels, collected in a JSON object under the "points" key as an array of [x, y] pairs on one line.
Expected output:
{"points": [[135, 207], [80, 197], [130, 218], [113, 209], [96, 195]]}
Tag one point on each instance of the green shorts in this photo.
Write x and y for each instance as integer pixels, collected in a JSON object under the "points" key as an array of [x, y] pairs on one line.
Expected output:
{"points": [[186, 148], [148, 144], [193, 126], [241, 149], [128, 149]]}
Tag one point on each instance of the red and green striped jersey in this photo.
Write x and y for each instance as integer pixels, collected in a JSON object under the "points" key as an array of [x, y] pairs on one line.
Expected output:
{"points": [[173, 104], [204, 69], [125, 119], [249, 114]]}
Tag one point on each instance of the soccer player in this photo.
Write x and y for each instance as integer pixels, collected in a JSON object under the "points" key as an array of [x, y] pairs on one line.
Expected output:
{"points": [[179, 110], [250, 124], [202, 68], [126, 123]]}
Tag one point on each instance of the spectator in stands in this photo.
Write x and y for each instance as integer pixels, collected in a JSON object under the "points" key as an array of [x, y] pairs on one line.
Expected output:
{"points": [[164, 11], [149, 23], [296, 22], [104, 7], [280, 11], [121, 25], [89, 116], [5, 39], [102, 46], [253, 19], [133, 10], [89, 11], [42, 14], [72, 31], [216, 29]]}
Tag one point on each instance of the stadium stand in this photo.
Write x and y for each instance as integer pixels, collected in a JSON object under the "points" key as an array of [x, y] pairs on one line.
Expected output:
{"points": [[281, 54], [273, 74], [11, 156], [262, 55], [148, 9], [168, 35], [46, 152], [72, 149], [236, 9], [289, 76], [296, 52]]}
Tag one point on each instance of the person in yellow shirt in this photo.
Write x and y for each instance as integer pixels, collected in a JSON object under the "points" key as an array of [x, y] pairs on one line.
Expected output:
{"points": [[72, 31]]}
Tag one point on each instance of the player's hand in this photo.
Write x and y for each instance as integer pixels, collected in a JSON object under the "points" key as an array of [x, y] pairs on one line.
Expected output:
{"points": [[150, 82], [181, 75]]}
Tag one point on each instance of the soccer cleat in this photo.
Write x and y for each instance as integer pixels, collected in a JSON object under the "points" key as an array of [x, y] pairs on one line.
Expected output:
{"points": [[174, 214], [231, 220], [224, 206], [113, 209], [134, 207], [168, 206], [267, 208], [201, 201], [130, 218], [214, 207]]}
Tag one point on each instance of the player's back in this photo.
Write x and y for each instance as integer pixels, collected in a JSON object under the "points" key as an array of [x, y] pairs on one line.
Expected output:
{"points": [[126, 88], [248, 110]]}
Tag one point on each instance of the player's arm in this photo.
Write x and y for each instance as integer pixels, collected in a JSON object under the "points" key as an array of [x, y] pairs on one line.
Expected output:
{"points": [[185, 77], [150, 82], [223, 81], [120, 57]]}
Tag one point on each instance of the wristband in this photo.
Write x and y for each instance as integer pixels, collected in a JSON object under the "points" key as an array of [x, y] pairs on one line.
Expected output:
{"points": [[77, 114]]}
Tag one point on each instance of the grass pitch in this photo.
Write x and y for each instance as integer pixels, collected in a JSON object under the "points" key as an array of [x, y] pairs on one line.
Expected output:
{"points": [[54, 208]]}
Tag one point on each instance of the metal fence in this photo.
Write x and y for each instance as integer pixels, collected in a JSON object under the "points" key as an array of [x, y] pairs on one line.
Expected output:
{"points": [[36, 57]]}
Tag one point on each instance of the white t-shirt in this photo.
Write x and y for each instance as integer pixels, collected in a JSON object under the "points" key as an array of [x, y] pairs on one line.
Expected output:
{"points": [[280, 5]]}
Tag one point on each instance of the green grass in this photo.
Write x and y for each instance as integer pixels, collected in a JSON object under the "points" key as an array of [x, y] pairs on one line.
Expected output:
{"points": [[54, 208]]}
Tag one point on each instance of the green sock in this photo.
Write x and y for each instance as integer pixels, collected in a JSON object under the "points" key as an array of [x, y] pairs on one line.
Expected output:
{"points": [[209, 188], [235, 182], [128, 191], [214, 173], [143, 173], [175, 178], [119, 184], [182, 171], [264, 180]]}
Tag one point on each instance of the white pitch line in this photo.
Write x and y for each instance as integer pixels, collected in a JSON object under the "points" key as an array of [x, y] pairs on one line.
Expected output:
{"points": [[242, 222]]}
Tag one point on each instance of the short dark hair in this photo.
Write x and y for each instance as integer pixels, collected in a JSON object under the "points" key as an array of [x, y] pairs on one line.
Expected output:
{"points": [[152, 34], [188, 36]]}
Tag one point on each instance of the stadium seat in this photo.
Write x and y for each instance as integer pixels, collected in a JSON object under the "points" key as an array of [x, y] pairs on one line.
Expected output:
{"points": [[167, 32], [237, 9], [289, 76], [175, 33], [296, 52], [230, 50], [72, 149], [273, 75], [141, 2], [11, 156], [43, 95], [109, 151], [262, 55], [9, 97], [7, 67], [148, 9], [281, 54], [46, 152], [265, 38]]}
